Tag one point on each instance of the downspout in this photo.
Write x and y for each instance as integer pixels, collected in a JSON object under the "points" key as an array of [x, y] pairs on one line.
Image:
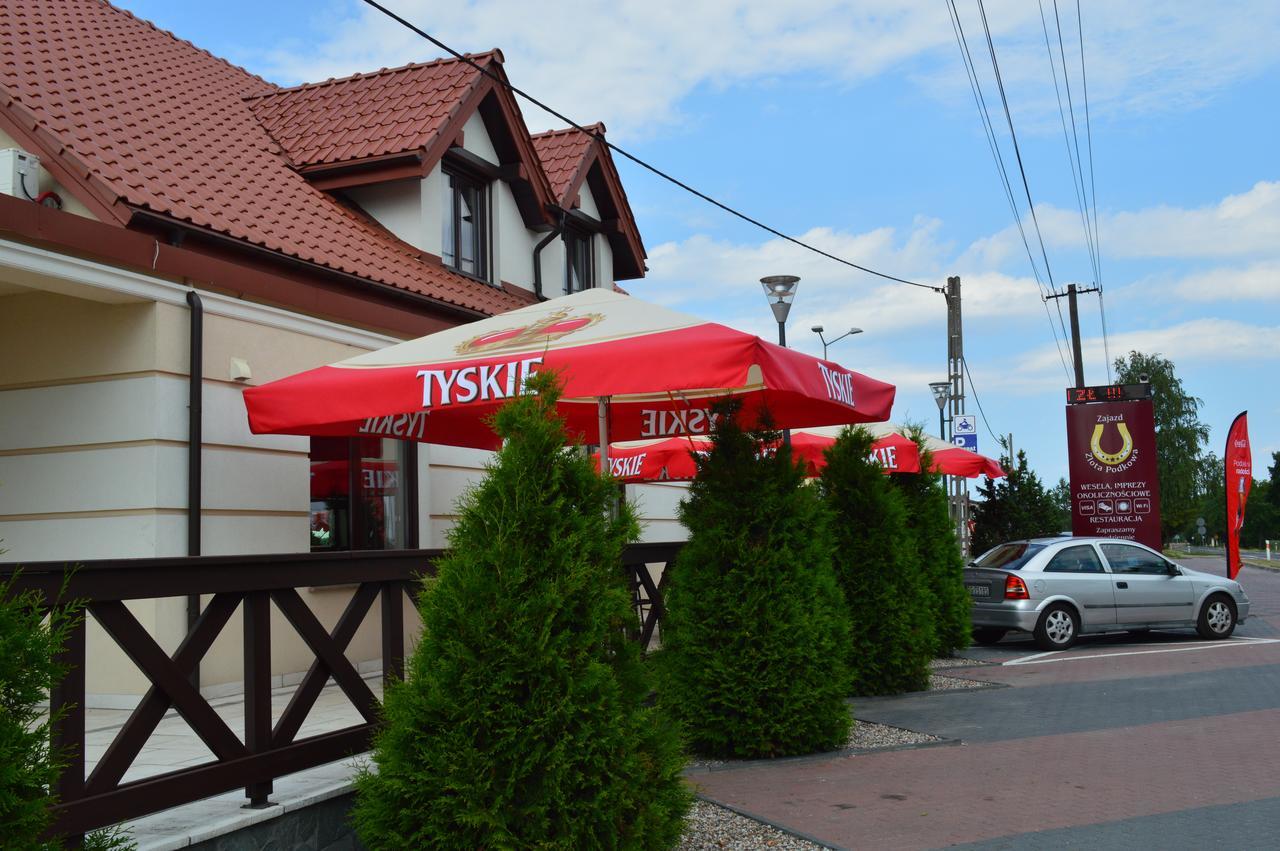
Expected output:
{"points": [[195, 439], [537, 254]]}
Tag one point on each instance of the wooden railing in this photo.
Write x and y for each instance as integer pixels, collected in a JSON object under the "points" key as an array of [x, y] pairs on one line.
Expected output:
{"points": [[267, 750]]}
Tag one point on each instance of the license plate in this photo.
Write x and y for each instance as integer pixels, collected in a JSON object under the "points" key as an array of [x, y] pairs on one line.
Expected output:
{"points": [[979, 590]]}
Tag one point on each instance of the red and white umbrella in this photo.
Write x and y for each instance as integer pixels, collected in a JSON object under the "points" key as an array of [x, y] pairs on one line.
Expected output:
{"points": [[672, 459], [658, 370]]}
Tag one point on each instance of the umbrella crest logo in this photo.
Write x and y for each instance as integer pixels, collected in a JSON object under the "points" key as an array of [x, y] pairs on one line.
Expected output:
{"points": [[558, 324]]}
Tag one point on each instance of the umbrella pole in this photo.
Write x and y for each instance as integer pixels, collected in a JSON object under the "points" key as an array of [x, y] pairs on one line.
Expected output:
{"points": [[602, 414]]}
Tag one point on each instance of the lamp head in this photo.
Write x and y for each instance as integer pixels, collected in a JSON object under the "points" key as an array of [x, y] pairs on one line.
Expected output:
{"points": [[780, 291], [817, 329], [941, 392]]}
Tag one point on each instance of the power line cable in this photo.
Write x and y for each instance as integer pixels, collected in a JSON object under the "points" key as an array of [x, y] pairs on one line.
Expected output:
{"points": [[974, 389], [1079, 166], [1077, 176], [633, 158], [983, 113], [1017, 150], [1106, 346], [1088, 126]]}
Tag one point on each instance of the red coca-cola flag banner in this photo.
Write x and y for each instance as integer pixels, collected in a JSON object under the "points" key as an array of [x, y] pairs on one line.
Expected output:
{"points": [[1238, 464], [1115, 491]]}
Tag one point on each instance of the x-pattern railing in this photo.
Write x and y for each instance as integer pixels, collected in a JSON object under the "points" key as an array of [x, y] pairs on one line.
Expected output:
{"points": [[252, 584]]}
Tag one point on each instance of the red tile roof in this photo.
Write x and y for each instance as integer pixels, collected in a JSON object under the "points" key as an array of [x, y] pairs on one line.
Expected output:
{"points": [[563, 153], [146, 121], [391, 111]]}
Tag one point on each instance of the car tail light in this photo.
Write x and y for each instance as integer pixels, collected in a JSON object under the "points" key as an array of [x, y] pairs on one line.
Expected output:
{"points": [[1015, 588]]}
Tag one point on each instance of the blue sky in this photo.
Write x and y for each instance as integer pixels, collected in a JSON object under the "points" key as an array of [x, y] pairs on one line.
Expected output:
{"points": [[852, 125]]}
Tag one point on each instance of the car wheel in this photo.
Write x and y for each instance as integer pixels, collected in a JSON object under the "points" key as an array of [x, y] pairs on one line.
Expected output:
{"points": [[1217, 618], [1057, 628], [987, 635]]}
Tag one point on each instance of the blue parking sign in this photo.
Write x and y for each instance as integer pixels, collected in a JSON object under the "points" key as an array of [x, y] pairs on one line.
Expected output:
{"points": [[968, 441]]}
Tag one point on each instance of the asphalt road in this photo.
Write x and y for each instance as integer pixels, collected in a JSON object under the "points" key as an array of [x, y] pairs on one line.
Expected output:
{"points": [[1159, 741]]}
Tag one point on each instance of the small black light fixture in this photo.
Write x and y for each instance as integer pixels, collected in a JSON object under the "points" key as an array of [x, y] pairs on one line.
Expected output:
{"points": [[941, 395]]}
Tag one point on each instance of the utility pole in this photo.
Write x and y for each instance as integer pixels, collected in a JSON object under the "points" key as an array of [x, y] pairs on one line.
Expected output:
{"points": [[1076, 357], [957, 486]]}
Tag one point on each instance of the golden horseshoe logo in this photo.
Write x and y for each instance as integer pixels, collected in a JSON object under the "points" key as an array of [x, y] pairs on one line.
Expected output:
{"points": [[1111, 459]]}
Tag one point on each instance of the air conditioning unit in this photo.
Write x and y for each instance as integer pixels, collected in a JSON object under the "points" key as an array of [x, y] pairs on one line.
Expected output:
{"points": [[19, 173]]}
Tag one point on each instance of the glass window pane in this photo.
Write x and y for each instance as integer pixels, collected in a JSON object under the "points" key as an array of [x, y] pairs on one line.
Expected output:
{"points": [[1080, 559], [330, 493], [468, 230], [382, 495], [1009, 556], [447, 244], [1126, 559]]}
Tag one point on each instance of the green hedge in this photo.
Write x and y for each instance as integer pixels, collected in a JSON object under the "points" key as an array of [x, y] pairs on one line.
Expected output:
{"points": [[523, 722], [938, 553], [877, 566], [755, 636]]}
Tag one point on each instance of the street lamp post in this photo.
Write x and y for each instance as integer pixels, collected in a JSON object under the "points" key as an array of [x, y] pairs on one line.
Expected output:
{"points": [[780, 291], [817, 329], [941, 395]]}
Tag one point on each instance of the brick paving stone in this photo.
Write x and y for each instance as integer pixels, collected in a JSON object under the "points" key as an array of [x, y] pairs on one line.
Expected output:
{"points": [[935, 797]]}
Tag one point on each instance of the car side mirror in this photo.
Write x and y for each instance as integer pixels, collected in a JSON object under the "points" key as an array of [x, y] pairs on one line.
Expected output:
{"points": [[1173, 570]]}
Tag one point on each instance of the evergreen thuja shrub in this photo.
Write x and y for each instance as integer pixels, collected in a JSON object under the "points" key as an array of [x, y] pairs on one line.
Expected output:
{"points": [[29, 765], [524, 721], [938, 554], [755, 631], [876, 564]]}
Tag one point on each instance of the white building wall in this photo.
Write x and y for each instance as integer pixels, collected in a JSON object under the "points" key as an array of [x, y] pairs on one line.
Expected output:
{"points": [[397, 205]]}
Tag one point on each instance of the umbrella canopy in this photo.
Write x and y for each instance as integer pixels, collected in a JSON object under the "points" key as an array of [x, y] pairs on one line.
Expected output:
{"points": [[671, 459], [661, 369]]}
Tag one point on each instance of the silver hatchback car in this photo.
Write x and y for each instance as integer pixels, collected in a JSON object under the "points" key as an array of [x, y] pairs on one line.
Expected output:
{"points": [[1060, 588]]}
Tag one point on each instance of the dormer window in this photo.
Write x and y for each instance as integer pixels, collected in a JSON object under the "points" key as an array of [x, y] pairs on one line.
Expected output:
{"points": [[580, 267], [466, 226]]}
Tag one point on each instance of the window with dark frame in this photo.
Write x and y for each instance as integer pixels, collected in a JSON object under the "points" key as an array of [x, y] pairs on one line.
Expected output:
{"points": [[579, 267], [363, 494], [466, 225]]}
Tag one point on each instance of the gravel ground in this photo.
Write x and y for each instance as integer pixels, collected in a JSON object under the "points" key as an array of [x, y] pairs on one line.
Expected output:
{"points": [[716, 829], [937, 682], [866, 734], [954, 662]]}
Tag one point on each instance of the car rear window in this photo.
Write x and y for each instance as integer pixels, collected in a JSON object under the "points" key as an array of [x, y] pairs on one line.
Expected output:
{"points": [[1008, 556]]}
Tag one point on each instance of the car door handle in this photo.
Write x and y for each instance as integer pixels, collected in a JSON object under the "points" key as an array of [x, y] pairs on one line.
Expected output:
{"points": [[1122, 584]]}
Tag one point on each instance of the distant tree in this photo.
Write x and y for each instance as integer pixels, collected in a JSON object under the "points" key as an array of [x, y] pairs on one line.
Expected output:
{"points": [[756, 633], [936, 551], [891, 604], [1013, 508], [1273, 492], [1262, 516], [1180, 437], [1212, 503], [525, 719], [1060, 496]]}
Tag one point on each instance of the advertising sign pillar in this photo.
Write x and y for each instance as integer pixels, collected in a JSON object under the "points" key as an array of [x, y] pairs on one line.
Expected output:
{"points": [[1111, 445]]}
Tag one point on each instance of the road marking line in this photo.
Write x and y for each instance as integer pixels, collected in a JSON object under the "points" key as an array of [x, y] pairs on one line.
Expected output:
{"points": [[1038, 658]]}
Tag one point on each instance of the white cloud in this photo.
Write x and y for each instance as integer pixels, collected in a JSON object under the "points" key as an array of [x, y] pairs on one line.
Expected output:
{"points": [[1259, 281], [631, 62]]}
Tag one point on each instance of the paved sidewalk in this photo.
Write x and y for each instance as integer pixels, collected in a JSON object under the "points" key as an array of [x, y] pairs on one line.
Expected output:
{"points": [[1160, 741]]}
